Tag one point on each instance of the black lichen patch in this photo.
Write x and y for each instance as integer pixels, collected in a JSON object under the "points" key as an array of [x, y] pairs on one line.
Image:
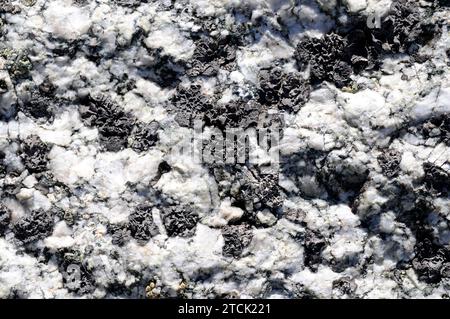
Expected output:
{"points": [[5, 218], [9, 189], [430, 257], [287, 91], [38, 224], [340, 175], [343, 287], [17, 63], [117, 129], [2, 165], [436, 178], [326, 58], [403, 30], [64, 48], [429, 261], [189, 104], [262, 189], [236, 239], [179, 221], [141, 224], [235, 114], [341, 74], [213, 53], [129, 3], [34, 154], [125, 84], [356, 46], [39, 104], [248, 189], [3, 86], [406, 27], [389, 161], [144, 136], [114, 125]]}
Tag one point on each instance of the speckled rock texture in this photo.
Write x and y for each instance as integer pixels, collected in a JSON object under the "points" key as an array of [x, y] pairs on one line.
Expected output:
{"points": [[97, 96]]}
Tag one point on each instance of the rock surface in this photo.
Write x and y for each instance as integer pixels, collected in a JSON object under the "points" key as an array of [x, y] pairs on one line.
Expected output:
{"points": [[95, 96]]}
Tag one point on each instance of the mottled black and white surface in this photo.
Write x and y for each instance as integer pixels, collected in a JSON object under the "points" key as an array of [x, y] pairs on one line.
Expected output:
{"points": [[96, 94]]}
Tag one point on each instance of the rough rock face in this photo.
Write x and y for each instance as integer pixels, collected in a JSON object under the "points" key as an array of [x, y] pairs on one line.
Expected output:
{"points": [[102, 196]]}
